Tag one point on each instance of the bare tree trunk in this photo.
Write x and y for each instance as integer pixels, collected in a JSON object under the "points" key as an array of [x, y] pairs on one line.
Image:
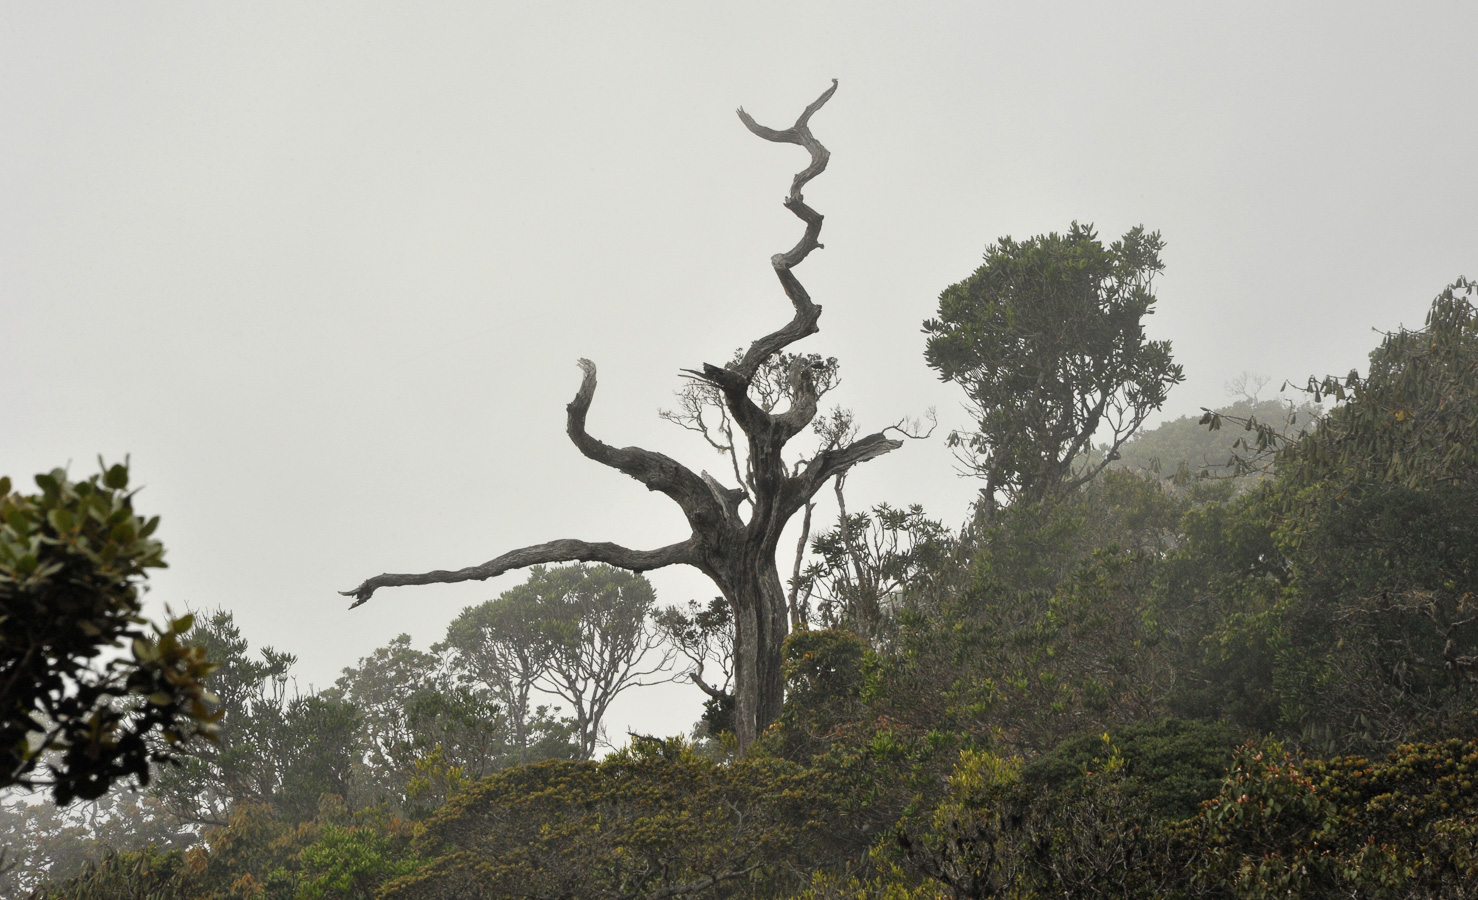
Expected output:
{"points": [[760, 627], [737, 553]]}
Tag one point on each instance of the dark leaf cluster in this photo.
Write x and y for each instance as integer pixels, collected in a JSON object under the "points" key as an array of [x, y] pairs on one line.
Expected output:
{"points": [[91, 693]]}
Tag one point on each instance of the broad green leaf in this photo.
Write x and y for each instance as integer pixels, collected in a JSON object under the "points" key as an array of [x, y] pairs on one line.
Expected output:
{"points": [[116, 477]]}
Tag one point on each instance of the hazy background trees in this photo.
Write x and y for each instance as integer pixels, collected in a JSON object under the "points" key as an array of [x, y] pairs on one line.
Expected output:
{"points": [[580, 634]]}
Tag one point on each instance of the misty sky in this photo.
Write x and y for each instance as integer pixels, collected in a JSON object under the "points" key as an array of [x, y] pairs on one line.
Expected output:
{"points": [[324, 270]]}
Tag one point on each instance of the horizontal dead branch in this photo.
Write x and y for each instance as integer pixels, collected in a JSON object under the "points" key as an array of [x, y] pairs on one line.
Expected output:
{"points": [[552, 552]]}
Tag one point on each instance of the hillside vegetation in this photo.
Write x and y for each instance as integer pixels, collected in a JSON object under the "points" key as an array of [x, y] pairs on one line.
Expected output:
{"points": [[1183, 677]]}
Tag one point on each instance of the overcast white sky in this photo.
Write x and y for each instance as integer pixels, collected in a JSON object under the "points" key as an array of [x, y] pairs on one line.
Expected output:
{"points": [[324, 269]]}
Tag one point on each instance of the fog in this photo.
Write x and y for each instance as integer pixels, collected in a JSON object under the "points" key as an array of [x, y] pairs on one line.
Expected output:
{"points": [[323, 271]]}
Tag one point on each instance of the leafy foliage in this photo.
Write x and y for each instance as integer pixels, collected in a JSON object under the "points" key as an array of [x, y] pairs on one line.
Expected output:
{"points": [[498, 649], [258, 856], [1401, 827], [427, 729], [252, 697], [704, 636], [597, 624], [1173, 764], [73, 560], [1045, 634], [862, 567], [350, 862], [1337, 601], [277, 748], [1047, 341]]}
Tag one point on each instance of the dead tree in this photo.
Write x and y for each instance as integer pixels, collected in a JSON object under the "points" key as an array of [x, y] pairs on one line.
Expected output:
{"points": [[737, 551]]}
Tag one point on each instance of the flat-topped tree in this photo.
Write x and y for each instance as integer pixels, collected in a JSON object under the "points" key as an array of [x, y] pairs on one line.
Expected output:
{"points": [[731, 545]]}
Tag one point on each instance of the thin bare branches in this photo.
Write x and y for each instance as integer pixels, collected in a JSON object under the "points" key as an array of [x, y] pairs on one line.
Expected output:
{"points": [[794, 601]]}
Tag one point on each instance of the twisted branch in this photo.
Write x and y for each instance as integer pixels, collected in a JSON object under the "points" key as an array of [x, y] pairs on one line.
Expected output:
{"points": [[806, 312], [702, 506], [657, 471]]}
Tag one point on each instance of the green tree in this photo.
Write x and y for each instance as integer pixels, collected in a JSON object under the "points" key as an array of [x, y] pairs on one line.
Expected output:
{"points": [[319, 753], [422, 721], [77, 715], [1044, 632], [704, 636], [597, 622], [1340, 595], [863, 566], [499, 647], [278, 748], [251, 694], [1047, 340], [387, 688], [1380, 521], [581, 633], [824, 677]]}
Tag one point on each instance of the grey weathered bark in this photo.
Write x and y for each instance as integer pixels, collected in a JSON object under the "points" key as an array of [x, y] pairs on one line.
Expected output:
{"points": [[738, 554]]}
